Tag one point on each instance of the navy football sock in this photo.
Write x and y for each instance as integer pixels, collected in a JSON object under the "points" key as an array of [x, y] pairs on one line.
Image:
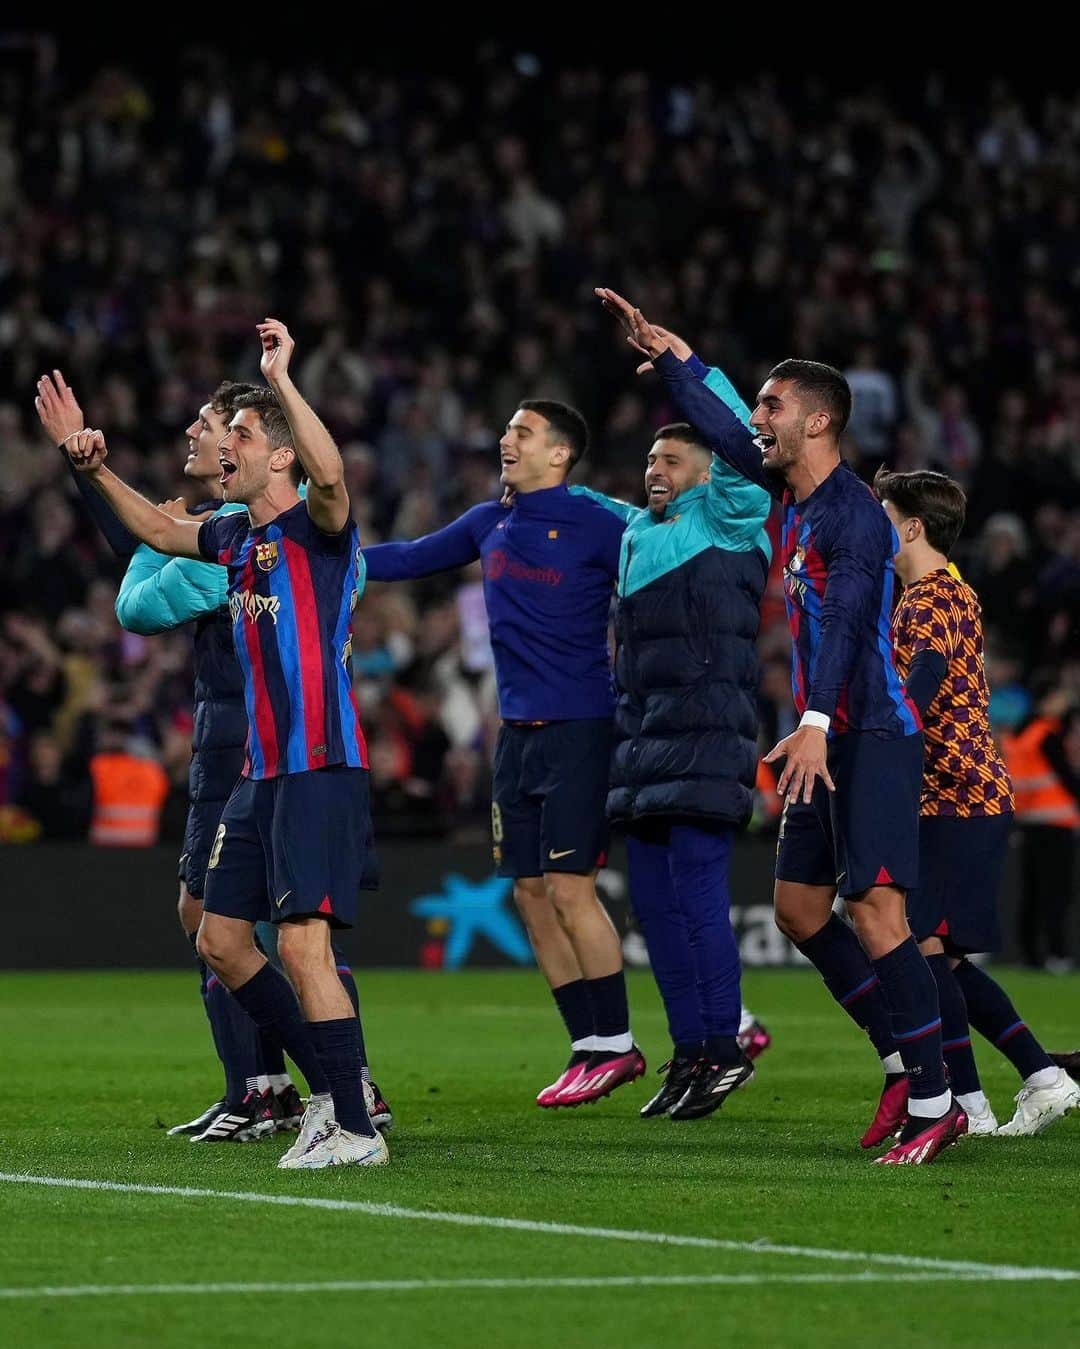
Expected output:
{"points": [[337, 1044], [204, 977], [345, 974], [722, 1049], [272, 1054], [955, 1032], [269, 1000], [911, 996], [991, 1012], [850, 978], [610, 1012], [575, 1008], [237, 1038]]}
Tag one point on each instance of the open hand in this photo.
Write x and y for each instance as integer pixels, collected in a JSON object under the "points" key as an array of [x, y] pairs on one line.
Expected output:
{"points": [[58, 409], [642, 335], [87, 451], [683, 350], [277, 347], [805, 750]]}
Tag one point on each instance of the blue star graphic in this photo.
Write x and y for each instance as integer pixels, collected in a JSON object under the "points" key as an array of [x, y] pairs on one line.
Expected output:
{"points": [[473, 908]]}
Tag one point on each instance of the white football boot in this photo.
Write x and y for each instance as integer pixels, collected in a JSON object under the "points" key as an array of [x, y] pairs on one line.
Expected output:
{"points": [[335, 1146], [318, 1117], [981, 1121], [1038, 1107]]}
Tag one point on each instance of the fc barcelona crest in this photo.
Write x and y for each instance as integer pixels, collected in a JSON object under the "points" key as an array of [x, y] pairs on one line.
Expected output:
{"points": [[266, 555]]}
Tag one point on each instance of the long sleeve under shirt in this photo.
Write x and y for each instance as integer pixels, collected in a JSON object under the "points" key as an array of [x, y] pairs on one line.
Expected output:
{"points": [[837, 549], [550, 563]]}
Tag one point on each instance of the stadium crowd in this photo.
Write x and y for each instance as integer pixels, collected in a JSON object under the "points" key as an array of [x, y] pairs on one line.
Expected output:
{"points": [[433, 244]]}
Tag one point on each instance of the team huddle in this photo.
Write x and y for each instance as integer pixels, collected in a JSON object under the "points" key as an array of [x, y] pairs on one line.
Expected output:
{"points": [[895, 798]]}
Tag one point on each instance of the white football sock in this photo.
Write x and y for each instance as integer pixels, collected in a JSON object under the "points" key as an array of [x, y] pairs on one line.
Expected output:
{"points": [[974, 1101], [613, 1044], [893, 1063], [1045, 1077], [584, 1046], [929, 1107]]}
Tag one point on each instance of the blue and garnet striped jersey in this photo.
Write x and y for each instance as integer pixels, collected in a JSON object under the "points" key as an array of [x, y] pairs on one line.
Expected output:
{"points": [[292, 590], [837, 551]]}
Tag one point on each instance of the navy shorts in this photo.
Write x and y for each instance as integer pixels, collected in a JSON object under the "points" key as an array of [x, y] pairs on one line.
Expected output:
{"points": [[960, 866], [293, 846], [549, 795], [203, 818], [865, 833]]}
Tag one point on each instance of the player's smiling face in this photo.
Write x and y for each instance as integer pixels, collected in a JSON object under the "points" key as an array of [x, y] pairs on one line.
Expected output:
{"points": [[779, 424], [244, 457], [672, 467], [529, 458], [204, 436]]}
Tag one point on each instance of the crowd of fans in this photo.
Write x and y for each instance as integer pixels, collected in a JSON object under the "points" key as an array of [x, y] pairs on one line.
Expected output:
{"points": [[433, 244]]}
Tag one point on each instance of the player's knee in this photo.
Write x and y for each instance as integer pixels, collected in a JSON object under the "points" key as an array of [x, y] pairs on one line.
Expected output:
{"points": [[879, 927], [211, 948], [302, 948], [531, 899], [569, 893], [795, 926]]}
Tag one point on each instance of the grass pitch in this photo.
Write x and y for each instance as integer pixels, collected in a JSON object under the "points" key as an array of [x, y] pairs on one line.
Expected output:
{"points": [[801, 1234]]}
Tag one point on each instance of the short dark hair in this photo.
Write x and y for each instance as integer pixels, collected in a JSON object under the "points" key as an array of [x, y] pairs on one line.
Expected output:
{"points": [[938, 501], [823, 383], [223, 399], [567, 423], [683, 431], [273, 421]]}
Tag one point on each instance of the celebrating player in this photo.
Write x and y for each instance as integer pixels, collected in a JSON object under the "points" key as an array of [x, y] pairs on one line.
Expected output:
{"points": [[966, 808], [854, 764], [157, 594], [549, 562], [294, 842], [694, 566]]}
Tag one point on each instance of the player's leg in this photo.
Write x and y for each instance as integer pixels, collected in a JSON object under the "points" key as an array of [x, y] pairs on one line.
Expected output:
{"points": [[236, 1038], [875, 820], [320, 846], [671, 959], [803, 904], [559, 966], [378, 1107], [698, 859], [566, 766], [1048, 1092], [516, 849], [189, 912], [956, 1039], [234, 899], [615, 1058]]}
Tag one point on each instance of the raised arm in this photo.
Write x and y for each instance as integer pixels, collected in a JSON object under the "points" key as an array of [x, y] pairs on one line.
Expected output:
{"points": [[62, 417], [150, 524], [454, 546], [698, 400], [327, 498]]}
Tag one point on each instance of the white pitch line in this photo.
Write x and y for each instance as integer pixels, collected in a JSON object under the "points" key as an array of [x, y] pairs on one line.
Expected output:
{"points": [[424, 1285], [759, 1247]]}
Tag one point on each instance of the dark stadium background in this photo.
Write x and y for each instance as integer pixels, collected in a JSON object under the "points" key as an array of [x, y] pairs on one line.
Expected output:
{"points": [[448, 226]]}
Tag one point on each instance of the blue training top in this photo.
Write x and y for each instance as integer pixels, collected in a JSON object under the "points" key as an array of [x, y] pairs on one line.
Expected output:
{"points": [[550, 563], [837, 549]]}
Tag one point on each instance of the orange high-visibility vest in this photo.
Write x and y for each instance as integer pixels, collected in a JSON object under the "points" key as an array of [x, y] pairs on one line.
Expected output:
{"points": [[1041, 797], [128, 796]]}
